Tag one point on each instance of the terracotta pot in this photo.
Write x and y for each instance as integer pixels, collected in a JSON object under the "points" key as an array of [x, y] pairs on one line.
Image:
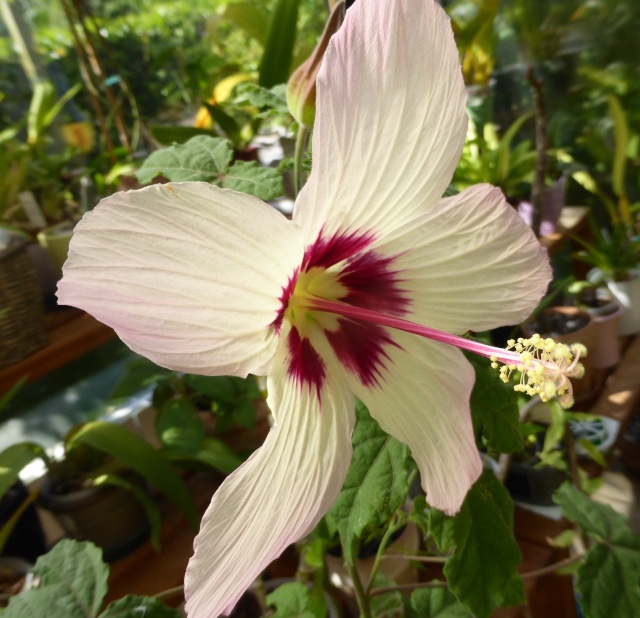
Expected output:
{"points": [[109, 516], [543, 325], [605, 351]]}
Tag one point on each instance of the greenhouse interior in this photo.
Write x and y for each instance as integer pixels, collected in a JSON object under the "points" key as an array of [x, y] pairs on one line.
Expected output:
{"points": [[419, 397]]}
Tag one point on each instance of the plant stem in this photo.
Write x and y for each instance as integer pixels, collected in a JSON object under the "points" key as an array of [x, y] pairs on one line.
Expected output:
{"points": [[384, 541], [167, 594], [414, 586], [301, 143], [414, 558], [537, 187], [551, 568], [361, 595]]}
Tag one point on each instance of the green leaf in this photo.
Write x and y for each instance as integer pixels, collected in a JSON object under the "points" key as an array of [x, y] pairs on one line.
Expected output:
{"points": [[388, 605], [273, 98], [201, 158], [218, 388], [140, 374], [592, 450], [73, 583], [482, 570], [133, 606], [442, 529], [14, 458], [494, 409], [215, 455], [608, 582], [227, 123], [179, 427], [290, 601], [245, 414], [621, 133], [376, 484], [133, 452], [262, 182], [278, 51], [151, 508], [437, 603], [419, 514], [6, 399]]}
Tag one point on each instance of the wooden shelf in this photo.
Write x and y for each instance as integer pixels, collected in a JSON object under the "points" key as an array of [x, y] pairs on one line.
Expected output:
{"points": [[621, 395], [72, 333]]}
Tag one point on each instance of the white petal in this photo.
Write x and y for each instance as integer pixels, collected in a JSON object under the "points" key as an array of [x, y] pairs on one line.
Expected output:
{"points": [[422, 399], [471, 263], [390, 121], [277, 496], [188, 275]]}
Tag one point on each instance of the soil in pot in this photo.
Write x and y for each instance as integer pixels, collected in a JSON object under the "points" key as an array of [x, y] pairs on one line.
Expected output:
{"points": [[109, 516], [14, 578]]}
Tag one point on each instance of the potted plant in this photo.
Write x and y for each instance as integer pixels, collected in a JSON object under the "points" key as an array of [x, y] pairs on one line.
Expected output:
{"points": [[598, 301], [97, 489], [615, 254], [567, 325], [225, 414]]}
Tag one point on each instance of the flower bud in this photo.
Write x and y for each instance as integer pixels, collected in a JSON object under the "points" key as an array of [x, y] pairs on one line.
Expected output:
{"points": [[301, 88]]}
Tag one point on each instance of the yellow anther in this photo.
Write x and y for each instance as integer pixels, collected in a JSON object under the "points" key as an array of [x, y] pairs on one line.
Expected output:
{"points": [[545, 367]]}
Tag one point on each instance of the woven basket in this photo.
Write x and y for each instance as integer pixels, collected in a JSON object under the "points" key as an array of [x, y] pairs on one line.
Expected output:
{"points": [[22, 328]]}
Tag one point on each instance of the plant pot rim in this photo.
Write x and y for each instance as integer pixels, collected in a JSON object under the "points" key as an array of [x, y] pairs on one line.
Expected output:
{"points": [[70, 500]]}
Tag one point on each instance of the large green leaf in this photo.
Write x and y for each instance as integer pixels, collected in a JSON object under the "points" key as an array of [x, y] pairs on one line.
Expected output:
{"points": [[14, 458], [290, 600], [73, 583], [278, 52], [201, 158], [437, 603], [133, 606], [249, 177], [494, 409], [482, 571], [376, 484], [207, 159], [133, 452], [608, 579]]}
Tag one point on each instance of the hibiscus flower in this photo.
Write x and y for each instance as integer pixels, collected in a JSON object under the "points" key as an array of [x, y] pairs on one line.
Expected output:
{"points": [[209, 281]]}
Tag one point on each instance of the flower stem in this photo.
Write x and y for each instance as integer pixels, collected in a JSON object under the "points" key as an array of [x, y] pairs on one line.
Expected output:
{"points": [[301, 144], [361, 595]]}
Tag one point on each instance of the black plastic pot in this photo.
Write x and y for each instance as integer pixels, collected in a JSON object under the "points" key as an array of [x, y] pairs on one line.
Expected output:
{"points": [[27, 539]]}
